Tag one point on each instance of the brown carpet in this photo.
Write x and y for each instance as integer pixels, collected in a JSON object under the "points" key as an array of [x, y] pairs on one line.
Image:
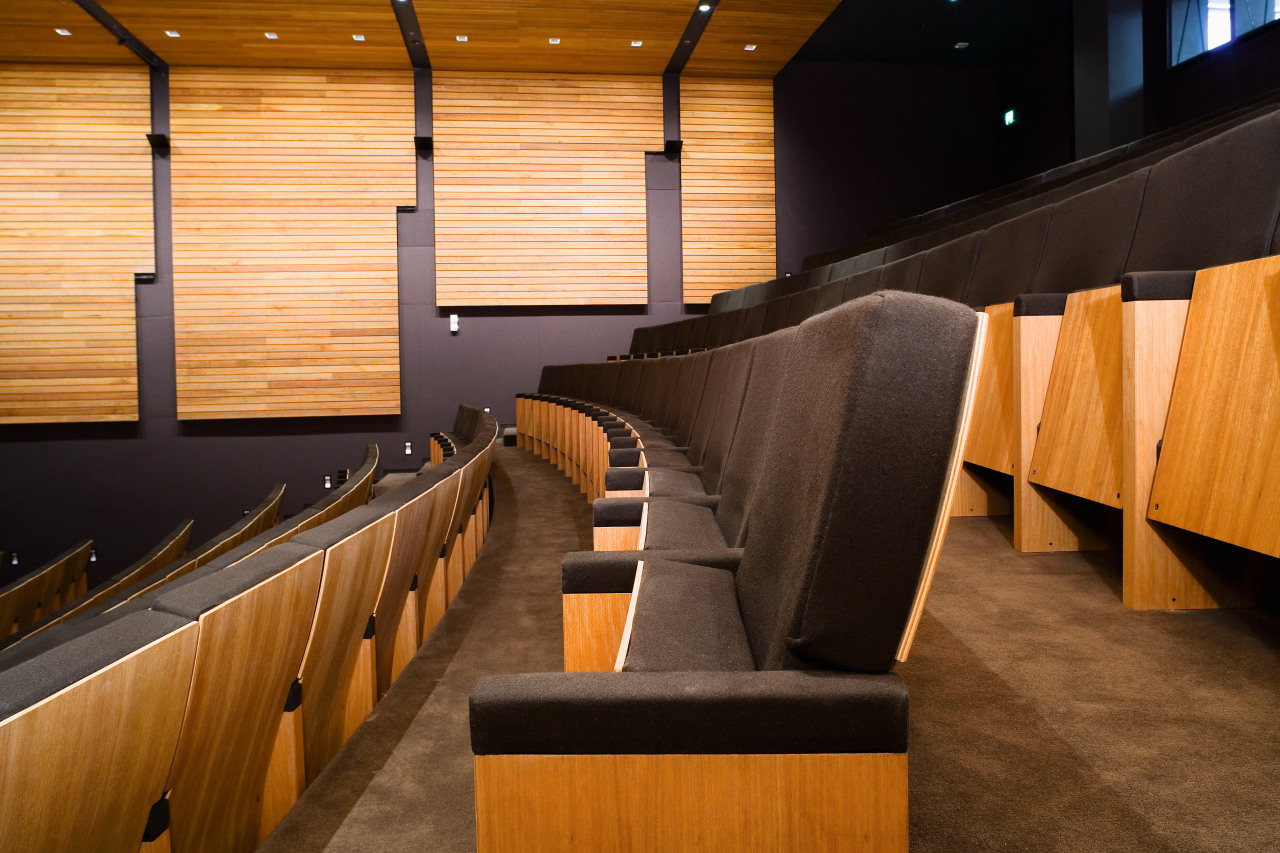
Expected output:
{"points": [[1045, 715]]}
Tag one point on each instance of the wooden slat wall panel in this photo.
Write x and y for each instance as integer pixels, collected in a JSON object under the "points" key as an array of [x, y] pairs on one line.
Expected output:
{"points": [[727, 190], [285, 187], [540, 188], [76, 222]]}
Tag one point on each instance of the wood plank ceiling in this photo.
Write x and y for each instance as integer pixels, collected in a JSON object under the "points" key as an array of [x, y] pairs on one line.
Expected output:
{"points": [[30, 34], [595, 36]]}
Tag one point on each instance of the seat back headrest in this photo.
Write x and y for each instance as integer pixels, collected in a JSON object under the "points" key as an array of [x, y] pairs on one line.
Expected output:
{"points": [[839, 531]]}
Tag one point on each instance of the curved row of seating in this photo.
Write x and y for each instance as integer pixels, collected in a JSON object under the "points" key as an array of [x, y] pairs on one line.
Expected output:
{"points": [[26, 599], [257, 530], [935, 226], [230, 688], [1085, 295], [168, 558], [793, 492], [1209, 203]]}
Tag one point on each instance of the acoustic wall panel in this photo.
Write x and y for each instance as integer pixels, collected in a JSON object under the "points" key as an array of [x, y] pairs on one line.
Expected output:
{"points": [[285, 187], [727, 190], [76, 222], [540, 188]]}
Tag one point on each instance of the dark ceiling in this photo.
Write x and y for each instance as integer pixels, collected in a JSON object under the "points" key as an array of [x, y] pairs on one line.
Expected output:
{"points": [[925, 32]]}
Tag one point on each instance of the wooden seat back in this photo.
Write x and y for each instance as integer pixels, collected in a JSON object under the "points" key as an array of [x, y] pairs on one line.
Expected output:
{"points": [[255, 618], [1216, 474], [166, 553], [28, 598], [412, 506], [357, 546], [88, 732]]}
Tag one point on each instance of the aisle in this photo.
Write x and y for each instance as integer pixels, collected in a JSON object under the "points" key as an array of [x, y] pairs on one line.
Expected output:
{"points": [[1044, 714], [403, 781]]}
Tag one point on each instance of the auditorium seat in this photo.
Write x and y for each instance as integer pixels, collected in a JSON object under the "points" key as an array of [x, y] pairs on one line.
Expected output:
{"points": [[1231, 182], [311, 729], [829, 295], [770, 684], [753, 322], [709, 443], [946, 269], [777, 312], [804, 305], [42, 590], [67, 717], [411, 559], [902, 274], [672, 518], [166, 554], [1008, 257], [255, 618]]}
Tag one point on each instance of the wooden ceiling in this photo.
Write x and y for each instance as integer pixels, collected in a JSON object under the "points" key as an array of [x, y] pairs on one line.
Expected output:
{"points": [[502, 35], [595, 36], [777, 30], [310, 33], [30, 27]]}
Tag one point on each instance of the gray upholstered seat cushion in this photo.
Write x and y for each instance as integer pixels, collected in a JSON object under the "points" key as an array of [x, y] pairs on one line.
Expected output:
{"points": [[392, 481], [344, 526], [686, 620], [674, 481], [62, 666], [190, 597], [676, 524], [660, 458]]}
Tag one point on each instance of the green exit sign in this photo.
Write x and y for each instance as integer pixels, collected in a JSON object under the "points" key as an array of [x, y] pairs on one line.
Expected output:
{"points": [[1010, 117]]}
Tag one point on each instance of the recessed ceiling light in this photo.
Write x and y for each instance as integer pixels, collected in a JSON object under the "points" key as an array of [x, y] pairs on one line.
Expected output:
{"points": [[60, 31], [961, 45], [173, 34], [637, 43], [461, 38], [357, 37], [271, 35], [705, 7], [554, 41], [749, 47]]}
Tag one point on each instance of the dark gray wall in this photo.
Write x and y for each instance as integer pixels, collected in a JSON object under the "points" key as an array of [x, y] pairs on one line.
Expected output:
{"points": [[1217, 80], [862, 145], [1108, 70]]}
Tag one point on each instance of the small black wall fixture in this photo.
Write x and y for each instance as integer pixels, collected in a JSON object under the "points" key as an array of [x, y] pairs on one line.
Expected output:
{"points": [[423, 145], [159, 143], [144, 278], [671, 147]]}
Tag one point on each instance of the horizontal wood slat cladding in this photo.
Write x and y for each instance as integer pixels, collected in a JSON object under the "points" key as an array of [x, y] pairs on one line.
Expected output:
{"points": [[76, 222], [540, 188], [285, 187], [727, 190]]}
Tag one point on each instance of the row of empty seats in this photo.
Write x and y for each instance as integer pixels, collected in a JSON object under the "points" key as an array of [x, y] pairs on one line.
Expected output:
{"points": [[27, 599], [1133, 222], [1085, 295], [229, 689], [258, 529], [955, 218], [753, 644]]}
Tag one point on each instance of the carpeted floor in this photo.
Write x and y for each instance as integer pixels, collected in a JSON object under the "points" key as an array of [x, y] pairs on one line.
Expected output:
{"points": [[1045, 715]]}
